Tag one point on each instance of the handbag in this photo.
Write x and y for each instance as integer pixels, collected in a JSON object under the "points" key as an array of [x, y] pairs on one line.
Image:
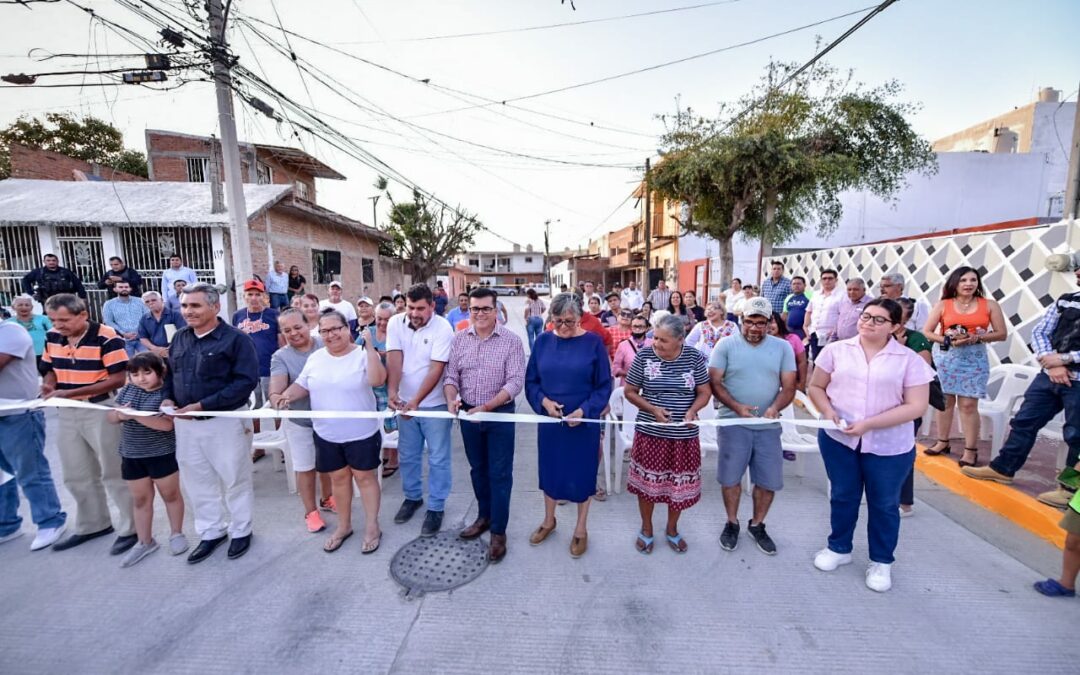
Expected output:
{"points": [[937, 395]]}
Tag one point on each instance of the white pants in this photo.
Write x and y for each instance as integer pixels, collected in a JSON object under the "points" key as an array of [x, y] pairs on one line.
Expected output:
{"points": [[301, 445], [215, 471]]}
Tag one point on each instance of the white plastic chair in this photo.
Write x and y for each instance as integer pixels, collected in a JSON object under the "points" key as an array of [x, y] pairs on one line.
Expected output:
{"points": [[1012, 381], [621, 435], [274, 443]]}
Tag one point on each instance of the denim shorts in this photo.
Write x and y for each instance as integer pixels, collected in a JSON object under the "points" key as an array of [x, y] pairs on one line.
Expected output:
{"points": [[360, 455], [758, 448]]}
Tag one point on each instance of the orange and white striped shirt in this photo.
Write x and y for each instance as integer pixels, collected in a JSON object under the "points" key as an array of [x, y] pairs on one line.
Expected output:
{"points": [[99, 354]]}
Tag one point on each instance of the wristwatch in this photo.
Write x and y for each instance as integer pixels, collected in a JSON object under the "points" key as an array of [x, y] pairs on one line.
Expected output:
{"points": [[1066, 357]]}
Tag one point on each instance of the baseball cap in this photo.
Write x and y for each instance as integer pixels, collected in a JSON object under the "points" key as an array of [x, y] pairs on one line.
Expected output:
{"points": [[365, 299], [334, 283], [758, 307], [254, 285]]}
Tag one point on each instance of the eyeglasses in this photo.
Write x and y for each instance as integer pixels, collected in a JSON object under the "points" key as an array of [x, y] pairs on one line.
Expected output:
{"points": [[866, 317], [327, 331], [481, 310], [564, 322], [755, 324]]}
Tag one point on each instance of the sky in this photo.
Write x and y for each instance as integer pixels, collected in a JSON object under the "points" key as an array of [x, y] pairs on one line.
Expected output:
{"points": [[963, 61]]}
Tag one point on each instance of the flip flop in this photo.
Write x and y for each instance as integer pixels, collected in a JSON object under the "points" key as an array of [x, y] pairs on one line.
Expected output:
{"points": [[370, 547], [676, 542], [647, 542], [389, 471], [334, 542]]}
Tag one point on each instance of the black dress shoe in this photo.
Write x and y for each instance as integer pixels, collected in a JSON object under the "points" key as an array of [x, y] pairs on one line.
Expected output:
{"points": [[432, 524], [122, 544], [204, 549], [76, 539], [239, 546], [408, 508]]}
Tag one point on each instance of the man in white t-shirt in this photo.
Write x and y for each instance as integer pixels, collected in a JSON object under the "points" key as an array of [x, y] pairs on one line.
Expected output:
{"points": [[631, 297], [417, 350], [822, 314], [336, 302]]}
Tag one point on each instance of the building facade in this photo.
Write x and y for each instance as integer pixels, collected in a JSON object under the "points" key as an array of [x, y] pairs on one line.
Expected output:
{"points": [[514, 268]]}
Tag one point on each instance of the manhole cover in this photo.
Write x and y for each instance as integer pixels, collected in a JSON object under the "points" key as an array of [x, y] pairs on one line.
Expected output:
{"points": [[438, 563]]}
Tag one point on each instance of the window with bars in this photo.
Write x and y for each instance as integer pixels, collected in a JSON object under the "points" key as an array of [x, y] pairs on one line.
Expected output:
{"points": [[198, 169], [325, 265], [367, 265], [20, 252], [301, 189], [264, 175]]}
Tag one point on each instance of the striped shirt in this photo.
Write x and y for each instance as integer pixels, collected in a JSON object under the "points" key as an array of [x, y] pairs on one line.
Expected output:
{"points": [[1043, 334], [138, 441], [99, 354], [671, 385]]}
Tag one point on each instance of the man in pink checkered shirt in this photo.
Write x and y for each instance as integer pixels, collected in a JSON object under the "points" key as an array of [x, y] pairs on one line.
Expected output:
{"points": [[485, 373]]}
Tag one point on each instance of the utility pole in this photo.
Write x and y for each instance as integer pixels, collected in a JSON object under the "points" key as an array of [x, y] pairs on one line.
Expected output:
{"points": [[374, 211], [1072, 183], [547, 252], [647, 283], [240, 239]]}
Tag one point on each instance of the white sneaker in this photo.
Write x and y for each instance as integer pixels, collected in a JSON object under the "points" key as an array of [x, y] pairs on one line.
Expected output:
{"points": [[879, 577], [908, 512], [47, 536], [11, 537], [828, 560], [138, 552]]}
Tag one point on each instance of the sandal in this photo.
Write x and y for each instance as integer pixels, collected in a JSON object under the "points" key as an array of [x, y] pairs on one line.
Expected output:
{"points": [[1053, 589], [389, 471], [370, 547], [934, 451], [644, 545], [600, 495], [676, 542], [334, 542], [974, 462]]}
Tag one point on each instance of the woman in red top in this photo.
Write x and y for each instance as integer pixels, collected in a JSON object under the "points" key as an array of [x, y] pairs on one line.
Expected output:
{"points": [[960, 326]]}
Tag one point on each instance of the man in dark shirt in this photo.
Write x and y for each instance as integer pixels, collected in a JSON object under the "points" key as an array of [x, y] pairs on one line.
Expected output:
{"points": [[152, 328], [121, 272], [51, 279], [213, 367]]}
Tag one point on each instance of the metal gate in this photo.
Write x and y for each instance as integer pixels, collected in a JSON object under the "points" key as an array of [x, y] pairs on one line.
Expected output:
{"points": [[20, 252], [81, 252], [147, 249]]}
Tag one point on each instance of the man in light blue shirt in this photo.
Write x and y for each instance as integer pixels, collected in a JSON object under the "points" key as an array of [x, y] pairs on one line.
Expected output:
{"points": [[752, 376], [123, 314], [177, 271], [277, 286], [459, 313]]}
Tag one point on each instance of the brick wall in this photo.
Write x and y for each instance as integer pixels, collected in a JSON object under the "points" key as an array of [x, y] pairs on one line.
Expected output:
{"points": [[294, 237], [27, 162]]}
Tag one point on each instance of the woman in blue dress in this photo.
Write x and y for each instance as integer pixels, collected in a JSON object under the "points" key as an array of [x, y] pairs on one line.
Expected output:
{"points": [[569, 377]]}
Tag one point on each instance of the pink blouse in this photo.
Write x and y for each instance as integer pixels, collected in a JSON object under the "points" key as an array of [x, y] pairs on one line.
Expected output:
{"points": [[859, 390], [624, 356]]}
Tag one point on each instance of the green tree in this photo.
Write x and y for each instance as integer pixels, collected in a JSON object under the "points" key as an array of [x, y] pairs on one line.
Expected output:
{"points": [[88, 139], [780, 164], [427, 235]]}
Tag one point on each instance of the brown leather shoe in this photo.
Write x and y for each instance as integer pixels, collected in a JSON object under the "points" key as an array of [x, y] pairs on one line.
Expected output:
{"points": [[498, 548], [578, 546], [538, 537], [476, 529]]}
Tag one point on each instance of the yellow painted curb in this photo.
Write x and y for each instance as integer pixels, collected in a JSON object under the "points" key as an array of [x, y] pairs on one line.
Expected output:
{"points": [[1006, 501]]}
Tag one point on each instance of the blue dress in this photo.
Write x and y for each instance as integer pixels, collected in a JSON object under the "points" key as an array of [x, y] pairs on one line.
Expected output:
{"points": [[576, 373]]}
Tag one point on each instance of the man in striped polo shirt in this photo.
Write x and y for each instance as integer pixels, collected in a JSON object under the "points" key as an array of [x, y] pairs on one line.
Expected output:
{"points": [[86, 361]]}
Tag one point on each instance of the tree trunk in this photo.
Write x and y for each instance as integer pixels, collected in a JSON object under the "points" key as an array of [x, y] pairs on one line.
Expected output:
{"points": [[727, 261], [772, 201]]}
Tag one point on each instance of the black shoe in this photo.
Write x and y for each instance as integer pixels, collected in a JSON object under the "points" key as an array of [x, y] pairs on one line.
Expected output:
{"points": [[764, 542], [239, 546], [408, 508], [432, 524], [204, 549], [729, 538], [122, 544], [76, 539]]}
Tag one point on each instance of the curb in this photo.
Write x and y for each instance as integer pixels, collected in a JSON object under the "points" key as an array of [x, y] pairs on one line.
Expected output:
{"points": [[1007, 502]]}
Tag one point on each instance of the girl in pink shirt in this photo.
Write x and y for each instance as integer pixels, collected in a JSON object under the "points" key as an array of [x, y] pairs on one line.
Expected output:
{"points": [[873, 388]]}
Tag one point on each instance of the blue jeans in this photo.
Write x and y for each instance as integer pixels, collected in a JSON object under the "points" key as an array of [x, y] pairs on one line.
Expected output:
{"points": [[534, 327], [853, 471], [490, 449], [22, 453], [1043, 400], [413, 432], [279, 300], [133, 347]]}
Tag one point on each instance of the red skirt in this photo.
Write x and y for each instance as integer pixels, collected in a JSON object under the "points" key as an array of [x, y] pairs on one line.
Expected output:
{"points": [[665, 470]]}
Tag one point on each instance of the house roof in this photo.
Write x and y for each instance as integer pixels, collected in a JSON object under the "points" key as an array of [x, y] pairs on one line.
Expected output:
{"points": [[126, 204], [298, 159]]}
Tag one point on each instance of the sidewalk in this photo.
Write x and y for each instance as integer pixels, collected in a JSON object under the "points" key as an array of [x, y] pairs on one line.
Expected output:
{"points": [[960, 603]]}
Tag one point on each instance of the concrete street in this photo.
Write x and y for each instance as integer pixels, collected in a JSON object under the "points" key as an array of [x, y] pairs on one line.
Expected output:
{"points": [[962, 600]]}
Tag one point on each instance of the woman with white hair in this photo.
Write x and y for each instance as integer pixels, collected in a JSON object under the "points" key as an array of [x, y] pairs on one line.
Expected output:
{"points": [[35, 324], [707, 333]]}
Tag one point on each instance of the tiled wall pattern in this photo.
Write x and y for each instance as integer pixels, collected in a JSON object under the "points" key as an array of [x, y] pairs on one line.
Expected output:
{"points": [[1010, 261]]}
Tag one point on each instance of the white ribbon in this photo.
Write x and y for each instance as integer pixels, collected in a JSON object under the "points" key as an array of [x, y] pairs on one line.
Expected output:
{"points": [[7, 405]]}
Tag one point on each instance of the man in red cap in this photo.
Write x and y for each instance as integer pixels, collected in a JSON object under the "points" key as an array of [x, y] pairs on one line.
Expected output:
{"points": [[261, 325]]}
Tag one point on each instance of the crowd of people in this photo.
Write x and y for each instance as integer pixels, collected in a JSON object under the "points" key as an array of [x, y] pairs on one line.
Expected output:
{"points": [[870, 365]]}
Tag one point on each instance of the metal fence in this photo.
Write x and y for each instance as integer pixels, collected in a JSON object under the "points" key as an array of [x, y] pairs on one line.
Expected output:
{"points": [[147, 249], [20, 252]]}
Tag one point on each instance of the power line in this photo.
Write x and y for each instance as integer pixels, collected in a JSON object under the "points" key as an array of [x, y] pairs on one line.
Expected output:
{"points": [[565, 24]]}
